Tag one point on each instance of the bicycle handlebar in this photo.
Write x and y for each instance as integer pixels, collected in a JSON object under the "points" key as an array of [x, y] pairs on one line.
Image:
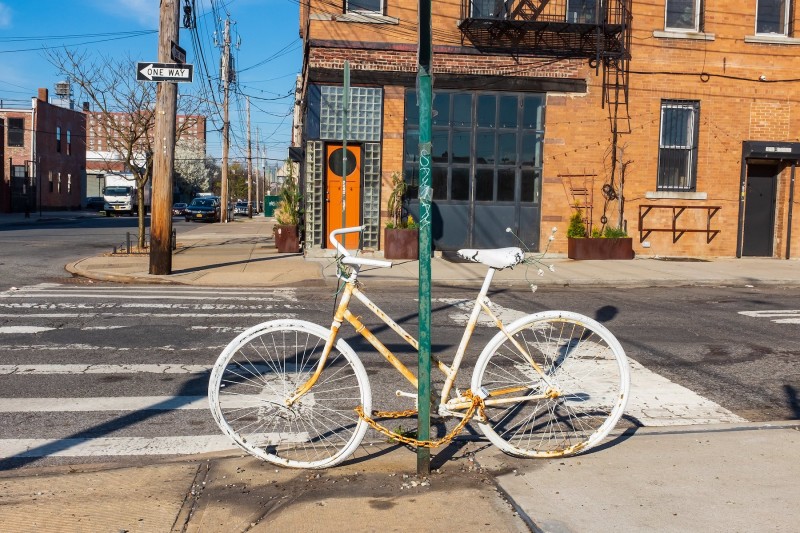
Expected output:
{"points": [[349, 259]]}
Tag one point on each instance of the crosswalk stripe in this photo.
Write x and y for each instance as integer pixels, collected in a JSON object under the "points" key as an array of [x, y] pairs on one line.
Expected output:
{"points": [[111, 403], [114, 446], [103, 369], [152, 315]]}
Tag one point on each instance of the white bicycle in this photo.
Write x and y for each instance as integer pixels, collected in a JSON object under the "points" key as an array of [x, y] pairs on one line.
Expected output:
{"points": [[291, 392]]}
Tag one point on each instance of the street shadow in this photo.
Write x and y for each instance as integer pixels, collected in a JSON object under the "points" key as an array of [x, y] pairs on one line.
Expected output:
{"points": [[792, 400], [229, 263], [187, 394], [607, 313]]}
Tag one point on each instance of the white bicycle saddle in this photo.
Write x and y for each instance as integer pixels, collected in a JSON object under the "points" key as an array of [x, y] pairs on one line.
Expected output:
{"points": [[498, 258]]}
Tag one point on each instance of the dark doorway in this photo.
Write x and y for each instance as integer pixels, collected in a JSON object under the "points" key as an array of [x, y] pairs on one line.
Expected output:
{"points": [[759, 210]]}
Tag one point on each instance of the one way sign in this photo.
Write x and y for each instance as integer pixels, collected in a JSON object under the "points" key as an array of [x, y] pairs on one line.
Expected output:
{"points": [[164, 72]]}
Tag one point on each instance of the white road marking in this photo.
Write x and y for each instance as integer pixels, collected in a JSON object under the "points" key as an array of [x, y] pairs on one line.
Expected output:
{"points": [[23, 329], [110, 403], [654, 400], [153, 315], [464, 309], [779, 316], [115, 446], [104, 369]]}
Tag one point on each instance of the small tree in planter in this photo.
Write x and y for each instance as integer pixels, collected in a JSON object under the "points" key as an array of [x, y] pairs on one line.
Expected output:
{"points": [[611, 243], [287, 214], [401, 236]]}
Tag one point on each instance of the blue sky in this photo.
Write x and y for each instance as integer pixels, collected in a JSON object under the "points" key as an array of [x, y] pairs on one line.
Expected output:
{"points": [[268, 60]]}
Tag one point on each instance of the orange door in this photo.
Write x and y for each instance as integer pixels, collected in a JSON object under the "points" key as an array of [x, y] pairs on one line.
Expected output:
{"points": [[352, 192]]}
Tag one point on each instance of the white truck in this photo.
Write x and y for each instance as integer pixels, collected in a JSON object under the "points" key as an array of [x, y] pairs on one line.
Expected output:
{"points": [[120, 197]]}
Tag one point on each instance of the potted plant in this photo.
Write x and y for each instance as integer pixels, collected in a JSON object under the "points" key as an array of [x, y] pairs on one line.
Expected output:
{"points": [[401, 235], [287, 215], [611, 243]]}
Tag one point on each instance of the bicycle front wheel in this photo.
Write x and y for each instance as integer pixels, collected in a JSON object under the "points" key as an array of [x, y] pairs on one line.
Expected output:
{"points": [[262, 368], [557, 384]]}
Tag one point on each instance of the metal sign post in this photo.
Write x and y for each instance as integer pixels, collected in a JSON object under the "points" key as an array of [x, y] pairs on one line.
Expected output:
{"points": [[345, 120], [424, 98]]}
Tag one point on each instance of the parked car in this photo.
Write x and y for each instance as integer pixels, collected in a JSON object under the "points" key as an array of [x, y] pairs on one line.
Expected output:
{"points": [[95, 203], [240, 208], [205, 208], [179, 208]]}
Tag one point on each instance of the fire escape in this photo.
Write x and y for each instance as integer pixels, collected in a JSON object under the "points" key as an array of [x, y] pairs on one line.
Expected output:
{"points": [[598, 30]]}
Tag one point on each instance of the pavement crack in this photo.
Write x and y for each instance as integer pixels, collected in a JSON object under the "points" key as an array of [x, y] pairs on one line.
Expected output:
{"points": [[184, 516]]}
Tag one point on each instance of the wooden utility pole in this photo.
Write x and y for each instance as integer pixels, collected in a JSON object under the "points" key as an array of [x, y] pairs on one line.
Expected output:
{"points": [[226, 80], [258, 172], [249, 166], [164, 146]]}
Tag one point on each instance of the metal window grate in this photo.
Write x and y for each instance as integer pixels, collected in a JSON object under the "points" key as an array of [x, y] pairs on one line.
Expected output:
{"points": [[677, 155]]}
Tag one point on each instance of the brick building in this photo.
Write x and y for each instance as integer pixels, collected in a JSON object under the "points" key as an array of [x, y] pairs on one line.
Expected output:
{"points": [[674, 119], [44, 157], [102, 158]]}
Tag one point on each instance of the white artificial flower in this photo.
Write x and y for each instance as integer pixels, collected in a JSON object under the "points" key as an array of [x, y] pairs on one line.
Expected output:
{"points": [[552, 268], [540, 272], [534, 287]]}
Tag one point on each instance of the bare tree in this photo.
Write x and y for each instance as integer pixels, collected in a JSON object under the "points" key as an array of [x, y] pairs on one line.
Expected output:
{"points": [[194, 169], [124, 112]]}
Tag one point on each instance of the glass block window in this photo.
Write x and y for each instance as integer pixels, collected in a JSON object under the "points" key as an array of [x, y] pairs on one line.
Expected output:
{"points": [[315, 193], [371, 195], [366, 111], [677, 150]]}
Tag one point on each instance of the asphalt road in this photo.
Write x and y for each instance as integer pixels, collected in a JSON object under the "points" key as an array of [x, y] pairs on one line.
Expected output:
{"points": [[125, 366]]}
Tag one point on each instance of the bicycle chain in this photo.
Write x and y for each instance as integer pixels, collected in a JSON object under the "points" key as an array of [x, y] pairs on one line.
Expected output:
{"points": [[477, 405]]}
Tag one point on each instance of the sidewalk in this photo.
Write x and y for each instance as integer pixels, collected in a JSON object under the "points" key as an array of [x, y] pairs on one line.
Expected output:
{"points": [[242, 253], [725, 478]]}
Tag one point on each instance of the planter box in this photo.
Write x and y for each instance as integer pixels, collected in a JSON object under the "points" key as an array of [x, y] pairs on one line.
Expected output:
{"points": [[600, 248], [400, 243], [287, 238]]}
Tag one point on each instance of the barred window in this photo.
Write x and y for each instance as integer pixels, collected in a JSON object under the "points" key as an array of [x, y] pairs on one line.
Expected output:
{"points": [[677, 155]]}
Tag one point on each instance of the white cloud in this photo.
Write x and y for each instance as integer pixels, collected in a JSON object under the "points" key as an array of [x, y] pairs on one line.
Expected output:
{"points": [[5, 16], [145, 12]]}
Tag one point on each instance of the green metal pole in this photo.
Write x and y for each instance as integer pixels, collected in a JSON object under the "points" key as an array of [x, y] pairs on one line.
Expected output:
{"points": [[345, 120], [424, 98]]}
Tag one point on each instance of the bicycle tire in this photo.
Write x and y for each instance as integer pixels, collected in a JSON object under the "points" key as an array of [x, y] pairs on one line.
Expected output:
{"points": [[587, 368], [262, 367]]}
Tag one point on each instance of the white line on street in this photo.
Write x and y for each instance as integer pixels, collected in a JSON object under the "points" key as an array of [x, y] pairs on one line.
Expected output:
{"points": [[654, 400], [152, 315], [111, 403], [103, 369], [114, 446], [23, 329]]}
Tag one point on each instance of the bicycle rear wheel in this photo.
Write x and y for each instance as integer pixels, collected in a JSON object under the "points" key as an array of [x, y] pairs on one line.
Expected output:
{"points": [[572, 406], [263, 367]]}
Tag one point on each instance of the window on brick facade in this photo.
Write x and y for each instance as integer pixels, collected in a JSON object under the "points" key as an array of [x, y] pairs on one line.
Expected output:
{"points": [[16, 132], [365, 6], [58, 139], [772, 17], [683, 15], [18, 171], [69, 183], [486, 147], [50, 180], [582, 11], [58, 182], [493, 9], [677, 154], [69, 143]]}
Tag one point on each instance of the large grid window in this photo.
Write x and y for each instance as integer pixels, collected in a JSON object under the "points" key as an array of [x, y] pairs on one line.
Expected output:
{"points": [[677, 155], [16, 132], [364, 120], [683, 15], [772, 17], [486, 147]]}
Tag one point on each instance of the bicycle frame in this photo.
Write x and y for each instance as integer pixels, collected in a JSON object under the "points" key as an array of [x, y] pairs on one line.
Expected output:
{"points": [[446, 404]]}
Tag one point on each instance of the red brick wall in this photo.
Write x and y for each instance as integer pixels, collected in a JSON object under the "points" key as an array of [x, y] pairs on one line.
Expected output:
{"points": [[722, 69]]}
